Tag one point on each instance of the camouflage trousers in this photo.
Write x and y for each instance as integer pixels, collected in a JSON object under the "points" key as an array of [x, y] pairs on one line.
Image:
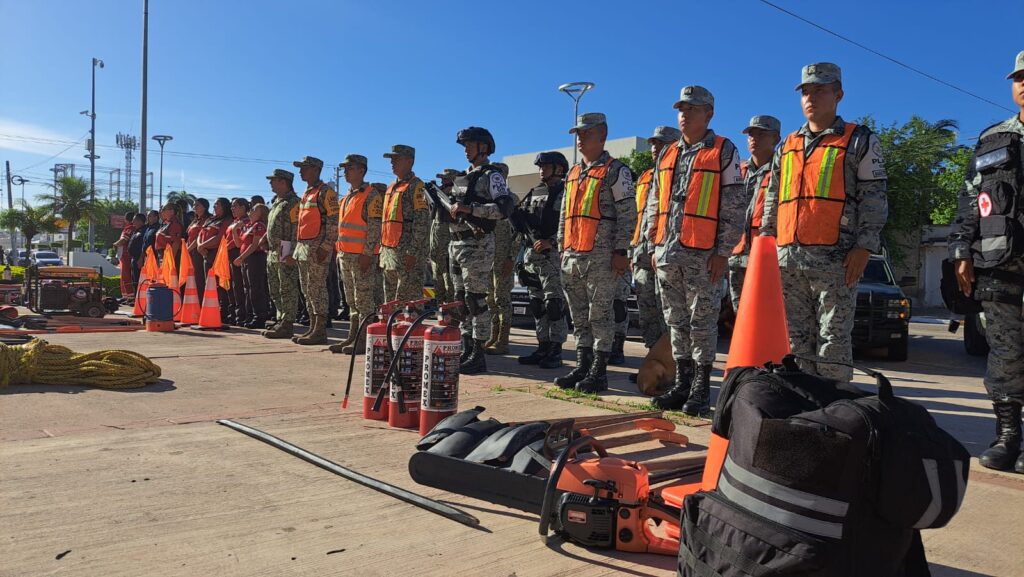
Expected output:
{"points": [[403, 285], [1004, 330], [313, 281], [547, 299], [471, 263], [359, 286], [284, 286], [590, 288], [692, 304], [440, 238], [499, 297], [819, 313], [736, 275], [620, 304], [648, 301]]}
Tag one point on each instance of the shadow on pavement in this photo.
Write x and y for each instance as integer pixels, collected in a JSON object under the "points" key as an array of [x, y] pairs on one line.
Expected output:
{"points": [[945, 571], [161, 386]]}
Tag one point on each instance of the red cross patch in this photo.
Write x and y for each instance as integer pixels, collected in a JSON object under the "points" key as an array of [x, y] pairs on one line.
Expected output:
{"points": [[984, 204]]}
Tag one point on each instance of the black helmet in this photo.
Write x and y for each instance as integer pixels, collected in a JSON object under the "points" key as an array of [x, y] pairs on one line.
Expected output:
{"points": [[553, 157], [475, 134]]}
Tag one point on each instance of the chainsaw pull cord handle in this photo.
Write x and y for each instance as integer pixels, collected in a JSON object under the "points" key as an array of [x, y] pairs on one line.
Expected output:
{"points": [[394, 365], [556, 473], [352, 361]]}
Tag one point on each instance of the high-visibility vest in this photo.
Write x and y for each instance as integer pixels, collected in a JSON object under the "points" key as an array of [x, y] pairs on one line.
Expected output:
{"points": [[699, 228], [643, 186], [351, 224], [758, 214], [311, 214], [582, 207], [812, 189], [393, 218]]}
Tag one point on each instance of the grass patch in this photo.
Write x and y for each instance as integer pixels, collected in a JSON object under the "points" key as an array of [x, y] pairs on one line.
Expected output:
{"points": [[617, 405]]}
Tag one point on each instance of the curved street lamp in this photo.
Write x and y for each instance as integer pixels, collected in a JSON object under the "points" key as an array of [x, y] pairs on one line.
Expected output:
{"points": [[162, 138], [575, 90]]}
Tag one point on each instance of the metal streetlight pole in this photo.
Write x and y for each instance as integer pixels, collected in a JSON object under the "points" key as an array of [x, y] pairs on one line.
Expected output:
{"points": [[575, 90], [19, 180], [162, 138], [92, 148], [145, 100]]}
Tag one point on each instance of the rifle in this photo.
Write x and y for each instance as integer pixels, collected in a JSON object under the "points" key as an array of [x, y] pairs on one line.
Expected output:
{"points": [[443, 201]]}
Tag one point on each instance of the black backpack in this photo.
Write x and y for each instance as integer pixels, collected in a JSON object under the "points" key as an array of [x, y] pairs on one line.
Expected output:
{"points": [[820, 478]]}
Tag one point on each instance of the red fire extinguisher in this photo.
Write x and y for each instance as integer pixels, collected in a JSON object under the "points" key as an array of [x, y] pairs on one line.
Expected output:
{"points": [[378, 359], [406, 380], [442, 347]]}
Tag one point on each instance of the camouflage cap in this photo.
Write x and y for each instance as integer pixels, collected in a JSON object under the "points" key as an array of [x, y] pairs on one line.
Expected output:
{"points": [[588, 120], [358, 159], [401, 150], [1019, 66], [449, 174], [696, 95], [281, 173], [502, 167], [764, 122], [665, 134], [820, 73], [309, 161]]}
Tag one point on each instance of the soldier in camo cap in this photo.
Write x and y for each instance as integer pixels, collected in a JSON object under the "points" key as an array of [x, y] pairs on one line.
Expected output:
{"points": [[833, 170], [405, 229], [440, 238], [282, 271], [316, 235]]}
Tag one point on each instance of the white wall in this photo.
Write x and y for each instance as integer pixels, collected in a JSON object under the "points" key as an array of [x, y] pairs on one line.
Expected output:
{"points": [[523, 175], [91, 259]]}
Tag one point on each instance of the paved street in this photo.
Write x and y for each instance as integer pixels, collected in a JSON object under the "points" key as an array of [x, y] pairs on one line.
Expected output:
{"points": [[144, 482]]}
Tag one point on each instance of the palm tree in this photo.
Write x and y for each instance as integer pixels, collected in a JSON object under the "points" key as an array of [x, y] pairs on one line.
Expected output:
{"points": [[30, 221], [176, 195], [70, 199]]}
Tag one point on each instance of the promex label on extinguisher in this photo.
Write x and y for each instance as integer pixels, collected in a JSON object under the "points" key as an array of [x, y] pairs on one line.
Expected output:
{"points": [[410, 367], [441, 376], [377, 366]]}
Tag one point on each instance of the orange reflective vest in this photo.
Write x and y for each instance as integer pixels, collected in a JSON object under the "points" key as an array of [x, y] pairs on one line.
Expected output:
{"points": [[699, 227], [582, 207], [393, 219], [311, 214], [812, 189], [643, 186], [755, 220], [351, 224]]}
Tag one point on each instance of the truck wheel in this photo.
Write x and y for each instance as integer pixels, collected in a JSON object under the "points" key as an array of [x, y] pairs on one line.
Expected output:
{"points": [[974, 337], [898, 349], [94, 311]]}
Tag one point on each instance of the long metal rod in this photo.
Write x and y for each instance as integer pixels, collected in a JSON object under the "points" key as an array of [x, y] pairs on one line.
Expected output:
{"points": [[145, 109], [92, 155], [380, 486]]}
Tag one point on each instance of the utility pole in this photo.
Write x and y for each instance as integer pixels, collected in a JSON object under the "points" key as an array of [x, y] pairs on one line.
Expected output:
{"points": [[92, 148], [145, 85], [10, 202], [162, 139]]}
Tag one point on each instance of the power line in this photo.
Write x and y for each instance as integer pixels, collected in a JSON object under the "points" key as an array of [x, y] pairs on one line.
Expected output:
{"points": [[70, 144], [889, 58]]}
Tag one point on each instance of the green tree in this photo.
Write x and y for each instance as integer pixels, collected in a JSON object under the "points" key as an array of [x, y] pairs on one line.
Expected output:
{"points": [[176, 195], [30, 221], [638, 161], [70, 199], [104, 235], [950, 181]]}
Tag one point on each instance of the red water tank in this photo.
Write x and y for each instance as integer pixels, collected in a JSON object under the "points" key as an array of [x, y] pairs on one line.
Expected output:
{"points": [[442, 347]]}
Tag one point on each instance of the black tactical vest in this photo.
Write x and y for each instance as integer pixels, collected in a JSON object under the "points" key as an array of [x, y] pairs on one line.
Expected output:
{"points": [[465, 192], [997, 159]]}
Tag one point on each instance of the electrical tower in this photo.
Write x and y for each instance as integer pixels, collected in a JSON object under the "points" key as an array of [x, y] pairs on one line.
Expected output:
{"points": [[114, 183], [60, 171], [129, 143]]}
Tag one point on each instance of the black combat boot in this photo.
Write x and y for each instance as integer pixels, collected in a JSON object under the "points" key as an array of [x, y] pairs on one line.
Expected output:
{"points": [[467, 347], [584, 358], [1018, 467], [1001, 454], [617, 356], [554, 358], [675, 398], [699, 402], [597, 377], [537, 355], [476, 362]]}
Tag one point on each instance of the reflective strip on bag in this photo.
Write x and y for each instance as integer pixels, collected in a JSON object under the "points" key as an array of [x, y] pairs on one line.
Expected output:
{"points": [[796, 497], [931, 471]]}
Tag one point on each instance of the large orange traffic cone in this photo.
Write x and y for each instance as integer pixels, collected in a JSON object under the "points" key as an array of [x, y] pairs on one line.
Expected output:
{"points": [[760, 335], [149, 273], [209, 315], [189, 312]]}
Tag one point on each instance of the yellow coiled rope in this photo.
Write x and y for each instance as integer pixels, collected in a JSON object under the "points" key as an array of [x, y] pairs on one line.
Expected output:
{"points": [[40, 363]]}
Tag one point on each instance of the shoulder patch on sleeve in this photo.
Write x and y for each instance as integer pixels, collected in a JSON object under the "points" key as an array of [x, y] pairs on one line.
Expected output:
{"points": [[375, 208], [622, 188], [331, 203], [419, 199], [731, 172], [497, 185], [293, 214], [872, 165]]}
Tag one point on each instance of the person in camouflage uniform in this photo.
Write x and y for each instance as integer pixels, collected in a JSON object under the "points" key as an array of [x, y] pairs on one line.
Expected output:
{"points": [[620, 313], [598, 218], [481, 201], [990, 268], [359, 222], [282, 271], [763, 135], [822, 258], [316, 234], [694, 215], [405, 229], [440, 238], [537, 225], [648, 298], [500, 297]]}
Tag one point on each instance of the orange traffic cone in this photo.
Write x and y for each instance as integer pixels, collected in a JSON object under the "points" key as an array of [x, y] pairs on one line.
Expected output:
{"points": [[140, 295], [209, 315], [761, 334], [189, 312]]}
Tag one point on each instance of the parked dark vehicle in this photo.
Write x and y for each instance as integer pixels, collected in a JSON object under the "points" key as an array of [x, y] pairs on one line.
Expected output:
{"points": [[882, 316]]}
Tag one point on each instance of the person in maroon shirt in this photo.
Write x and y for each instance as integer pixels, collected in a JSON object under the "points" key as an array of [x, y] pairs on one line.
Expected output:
{"points": [[208, 242], [202, 214], [240, 212], [253, 261], [125, 259], [169, 233]]}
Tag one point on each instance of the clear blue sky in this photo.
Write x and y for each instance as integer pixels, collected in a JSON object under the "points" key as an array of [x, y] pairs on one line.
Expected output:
{"points": [[275, 80]]}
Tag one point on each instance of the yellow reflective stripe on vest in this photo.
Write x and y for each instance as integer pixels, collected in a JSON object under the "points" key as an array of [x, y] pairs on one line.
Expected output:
{"points": [[825, 174], [786, 180], [707, 185], [588, 197]]}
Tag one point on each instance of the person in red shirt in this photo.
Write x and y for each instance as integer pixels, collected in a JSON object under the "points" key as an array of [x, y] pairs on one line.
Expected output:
{"points": [[169, 233], [125, 259], [253, 261], [240, 212], [209, 240], [202, 214]]}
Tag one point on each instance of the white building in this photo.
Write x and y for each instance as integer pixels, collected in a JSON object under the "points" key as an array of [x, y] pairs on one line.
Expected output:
{"points": [[523, 175]]}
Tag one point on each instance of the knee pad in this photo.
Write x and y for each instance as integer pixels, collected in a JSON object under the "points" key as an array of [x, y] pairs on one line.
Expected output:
{"points": [[456, 269], [555, 309], [537, 307], [620, 310], [460, 295], [477, 303]]}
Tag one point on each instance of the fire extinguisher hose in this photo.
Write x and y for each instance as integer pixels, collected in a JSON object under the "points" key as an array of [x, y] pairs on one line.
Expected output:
{"points": [[394, 365], [420, 501], [352, 362]]}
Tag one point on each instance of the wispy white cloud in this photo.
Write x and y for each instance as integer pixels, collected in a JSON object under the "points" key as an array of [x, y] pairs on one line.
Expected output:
{"points": [[33, 139]]}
